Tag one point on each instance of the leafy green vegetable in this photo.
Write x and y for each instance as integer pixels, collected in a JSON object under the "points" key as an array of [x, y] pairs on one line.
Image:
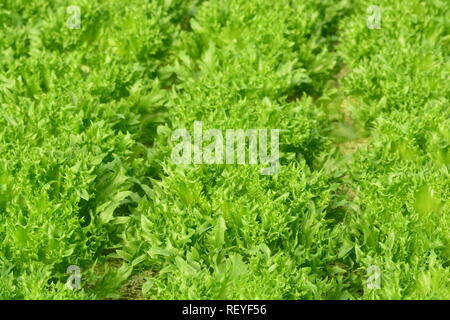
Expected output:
{"points": [[86, 177]]}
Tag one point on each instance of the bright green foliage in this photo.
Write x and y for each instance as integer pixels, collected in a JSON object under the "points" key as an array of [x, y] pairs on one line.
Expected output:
{"points": [[86, 178]]}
